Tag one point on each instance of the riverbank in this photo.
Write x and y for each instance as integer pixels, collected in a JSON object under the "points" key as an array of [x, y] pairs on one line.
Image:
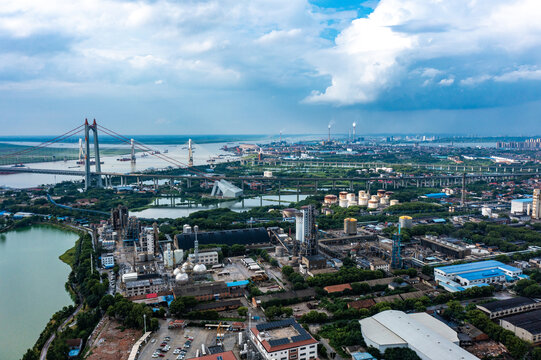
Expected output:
{"points": [[35, 287]]}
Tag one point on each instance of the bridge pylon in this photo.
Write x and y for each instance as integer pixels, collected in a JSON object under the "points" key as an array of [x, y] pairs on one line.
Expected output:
{"points": [[97, 160]]}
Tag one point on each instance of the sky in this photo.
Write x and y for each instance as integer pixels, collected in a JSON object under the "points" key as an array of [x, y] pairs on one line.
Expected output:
{"points": [[470, 67]]}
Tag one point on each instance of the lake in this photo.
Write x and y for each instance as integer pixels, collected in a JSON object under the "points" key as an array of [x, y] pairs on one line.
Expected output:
{"points": [[31, 284]]}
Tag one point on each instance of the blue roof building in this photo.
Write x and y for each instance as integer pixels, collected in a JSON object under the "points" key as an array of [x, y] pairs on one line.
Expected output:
{"points": [[482, 273]]}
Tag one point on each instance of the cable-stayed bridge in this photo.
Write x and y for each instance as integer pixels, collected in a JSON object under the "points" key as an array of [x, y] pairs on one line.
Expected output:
{"points": [[94, 176]]}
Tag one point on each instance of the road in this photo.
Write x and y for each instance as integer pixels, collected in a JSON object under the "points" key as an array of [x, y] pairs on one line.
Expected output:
{"points": [[49, 341]]}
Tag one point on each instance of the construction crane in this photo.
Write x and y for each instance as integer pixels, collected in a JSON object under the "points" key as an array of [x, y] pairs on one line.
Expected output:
{"points": [[220, 333]]}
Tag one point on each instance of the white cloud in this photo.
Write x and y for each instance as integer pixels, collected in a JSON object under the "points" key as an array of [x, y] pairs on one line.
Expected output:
{"points": [[379, 52], [524, 73], [278, 35], [447, 82]]}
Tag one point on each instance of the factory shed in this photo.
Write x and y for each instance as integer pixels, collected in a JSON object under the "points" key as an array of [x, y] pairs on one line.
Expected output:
{"points": [[428, 337], [511, 306]]}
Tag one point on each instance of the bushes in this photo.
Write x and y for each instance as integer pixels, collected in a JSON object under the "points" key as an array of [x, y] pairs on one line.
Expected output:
{"points": [[344, 275]]}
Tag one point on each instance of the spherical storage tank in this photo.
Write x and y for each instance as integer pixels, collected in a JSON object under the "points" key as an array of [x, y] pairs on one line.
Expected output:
{"points": [[181, 277], [176, 271], [199, 269]]}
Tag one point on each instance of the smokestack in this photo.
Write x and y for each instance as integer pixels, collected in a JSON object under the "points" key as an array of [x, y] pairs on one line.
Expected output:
{"points": [[329, 139], [280, 136], [354, 124]]}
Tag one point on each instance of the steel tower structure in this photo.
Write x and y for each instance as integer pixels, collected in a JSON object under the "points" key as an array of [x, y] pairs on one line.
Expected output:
{"points": [[88, 175]]}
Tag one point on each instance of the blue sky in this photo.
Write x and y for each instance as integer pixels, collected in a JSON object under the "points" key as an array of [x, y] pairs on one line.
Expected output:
{"points": [[253, 66]]}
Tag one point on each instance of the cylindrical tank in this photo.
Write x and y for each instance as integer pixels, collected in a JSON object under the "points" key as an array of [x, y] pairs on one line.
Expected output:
{"points": [[327, 211], [352, 203], [240, 338], [405, 221], [350, 197], [384, 201], [394, 202], [179, 256], [362, 193], [186, 229], [288, 213], [343, 195], [299, 224], [343, 203], [330, 199], [381, 193], [363, 201], [350, 226], [373, 204]]}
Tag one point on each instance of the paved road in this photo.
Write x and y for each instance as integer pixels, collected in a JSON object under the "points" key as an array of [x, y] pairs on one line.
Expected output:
{"points": [[49, 341]]}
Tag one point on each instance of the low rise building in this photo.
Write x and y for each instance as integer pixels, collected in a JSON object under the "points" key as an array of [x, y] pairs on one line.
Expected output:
{"points": [[206, 257], [526, 326], [507, 307], [143, 286], [460, 277], [430, 338], [107, 260], [284, 340]]}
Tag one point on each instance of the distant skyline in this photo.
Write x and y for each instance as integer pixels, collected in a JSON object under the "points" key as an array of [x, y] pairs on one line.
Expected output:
{"points": [[258, 67]]}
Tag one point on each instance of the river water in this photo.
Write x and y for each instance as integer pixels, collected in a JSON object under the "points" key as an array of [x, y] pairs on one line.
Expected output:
{"points": [[32, 279], [170, 208]]}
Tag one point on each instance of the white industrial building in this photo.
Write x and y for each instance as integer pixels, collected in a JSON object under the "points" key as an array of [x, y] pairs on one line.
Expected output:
{"points": [[430, 338], [206, 258], [521, 206], [226, 189], [107, 260]]}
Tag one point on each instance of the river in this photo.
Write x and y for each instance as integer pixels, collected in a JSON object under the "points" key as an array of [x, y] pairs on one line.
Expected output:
{"points": [[173, 211], [31, 284]]}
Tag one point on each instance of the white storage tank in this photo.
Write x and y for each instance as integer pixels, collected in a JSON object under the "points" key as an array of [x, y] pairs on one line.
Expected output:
{"points": [[343, 203], [343, 195], [384, 201], [186, 229], [362, 193], [179, 256], [352, 203], [394, 202], [363, 201], [351, 197], [373, 204]]}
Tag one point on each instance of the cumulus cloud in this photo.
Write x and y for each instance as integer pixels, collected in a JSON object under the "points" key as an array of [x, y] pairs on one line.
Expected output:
{"points": [[463, 37]]}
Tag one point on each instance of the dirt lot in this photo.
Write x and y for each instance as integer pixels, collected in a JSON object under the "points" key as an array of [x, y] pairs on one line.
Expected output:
{"points": [[302, 308], [178, 339], [112, 343], [487, 349]]}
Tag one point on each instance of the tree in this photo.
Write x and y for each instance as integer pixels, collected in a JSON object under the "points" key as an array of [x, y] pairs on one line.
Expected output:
{"points": [[243, 310]]}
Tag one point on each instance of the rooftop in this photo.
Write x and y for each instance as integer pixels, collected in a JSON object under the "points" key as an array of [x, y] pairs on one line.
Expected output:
{"points": [[529, 321], [427, 336], [283, 334], [480, 265], [228, 355], [482, 274], [507, 304], [337, 288]]}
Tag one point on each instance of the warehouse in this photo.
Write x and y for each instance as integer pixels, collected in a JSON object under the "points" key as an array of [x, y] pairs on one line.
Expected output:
{"points": [[422, 333], [511, 306], [526, 326], [460, 277]]}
